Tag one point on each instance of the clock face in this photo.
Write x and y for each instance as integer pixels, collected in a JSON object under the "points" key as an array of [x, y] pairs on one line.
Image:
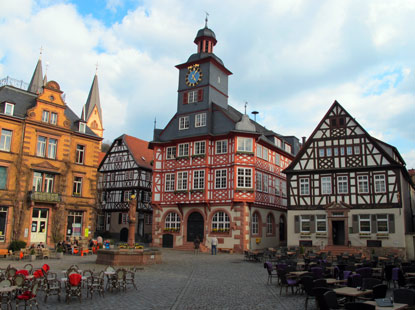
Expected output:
{"points": [[194, 76]]}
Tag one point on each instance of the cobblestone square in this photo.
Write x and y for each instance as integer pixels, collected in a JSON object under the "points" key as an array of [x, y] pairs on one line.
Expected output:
{"points": [[182, 281]]}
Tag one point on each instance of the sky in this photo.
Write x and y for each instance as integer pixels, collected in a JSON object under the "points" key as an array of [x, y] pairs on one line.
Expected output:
{"points": [[290, 59]]}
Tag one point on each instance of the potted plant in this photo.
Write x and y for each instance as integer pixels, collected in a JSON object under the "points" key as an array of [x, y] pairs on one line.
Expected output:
{"points": [[59, 252], [32, 255]]}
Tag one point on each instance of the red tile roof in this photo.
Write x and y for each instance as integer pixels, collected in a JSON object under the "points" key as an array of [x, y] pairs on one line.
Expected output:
{"points": [[101, 156], [139, 149]]}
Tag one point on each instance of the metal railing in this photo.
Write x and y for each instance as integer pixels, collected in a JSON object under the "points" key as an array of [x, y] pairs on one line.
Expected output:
{"points": [[13, 82]]}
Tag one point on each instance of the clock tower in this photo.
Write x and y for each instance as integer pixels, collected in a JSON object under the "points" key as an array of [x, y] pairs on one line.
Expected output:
{"points": [[203, 79]]}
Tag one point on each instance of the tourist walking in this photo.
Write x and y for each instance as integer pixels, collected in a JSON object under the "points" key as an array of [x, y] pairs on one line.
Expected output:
{"points": [[214, 243], [197, 244]]}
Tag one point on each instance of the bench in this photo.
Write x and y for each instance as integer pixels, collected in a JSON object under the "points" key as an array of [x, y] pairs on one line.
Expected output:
{"points": [[4, 252], [226, 250]]}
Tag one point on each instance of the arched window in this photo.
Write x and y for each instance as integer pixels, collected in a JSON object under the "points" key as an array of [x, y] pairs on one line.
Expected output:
{"points": [[255, 224], [270, 224], [172, 221], [220, 222], [94, 125]]}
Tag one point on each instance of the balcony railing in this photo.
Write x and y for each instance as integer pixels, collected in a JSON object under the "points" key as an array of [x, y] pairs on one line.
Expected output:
{"points": [[44, 197]]}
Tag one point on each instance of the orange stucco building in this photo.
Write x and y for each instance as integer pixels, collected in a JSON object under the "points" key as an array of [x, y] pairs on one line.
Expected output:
{"points": [[48, 164]]}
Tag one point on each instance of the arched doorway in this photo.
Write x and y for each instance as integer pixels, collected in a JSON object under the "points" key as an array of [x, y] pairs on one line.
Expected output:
{"points": [[167, 241], [195, 227], [124, 235], [283, 228]]}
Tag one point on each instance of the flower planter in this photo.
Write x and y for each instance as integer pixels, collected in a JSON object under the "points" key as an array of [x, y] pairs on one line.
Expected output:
{"points": [[59, 255]]}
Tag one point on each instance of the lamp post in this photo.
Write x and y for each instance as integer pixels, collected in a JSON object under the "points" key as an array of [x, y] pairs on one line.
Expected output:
{"points": [[132, 220]]}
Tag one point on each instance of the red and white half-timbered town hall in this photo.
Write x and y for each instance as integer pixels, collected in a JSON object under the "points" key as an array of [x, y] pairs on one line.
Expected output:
{"points": [[215, 171]]}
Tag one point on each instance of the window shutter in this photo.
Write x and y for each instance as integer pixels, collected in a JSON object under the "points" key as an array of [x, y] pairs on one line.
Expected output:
{"points": [[120, 218], [296, 224], [392, 223], [355, 220], [373, 225], [200, 95], [185, 94], [312, 224]]}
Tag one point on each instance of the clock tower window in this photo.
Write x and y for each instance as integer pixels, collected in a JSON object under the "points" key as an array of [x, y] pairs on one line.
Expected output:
{"points": [[193, 96]]}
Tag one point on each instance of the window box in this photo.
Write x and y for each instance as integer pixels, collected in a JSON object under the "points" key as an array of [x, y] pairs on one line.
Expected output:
{"points": [[321, 235], [221, 230], [182, 157], [244, 153], [305, 235], [173, 230], [365, 235], [76, 195], [382, 235], [249, 190], [181, 192], [199, 156], [197, 191]]}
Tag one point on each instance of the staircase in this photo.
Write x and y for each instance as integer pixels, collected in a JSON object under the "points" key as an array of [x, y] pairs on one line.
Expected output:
{"points": [[190, 247]]}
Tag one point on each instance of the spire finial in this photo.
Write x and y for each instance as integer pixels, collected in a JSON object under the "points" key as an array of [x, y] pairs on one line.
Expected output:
{"points": [[96, 68], [206, 19], [40, 53], [246, 104]]}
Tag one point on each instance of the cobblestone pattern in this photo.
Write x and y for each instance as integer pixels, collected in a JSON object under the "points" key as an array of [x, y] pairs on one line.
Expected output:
{"points": [[182, 281]]}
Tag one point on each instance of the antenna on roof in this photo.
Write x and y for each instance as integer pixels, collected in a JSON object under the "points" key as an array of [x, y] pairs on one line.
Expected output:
{"points": [[155, 122], [246, 104], [206, 19], [255, 114]]}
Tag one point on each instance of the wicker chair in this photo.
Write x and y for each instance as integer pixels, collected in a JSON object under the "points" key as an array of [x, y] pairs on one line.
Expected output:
{"points": [[52, 286], [96, 284], [130, 279], [74, 286], [29, 297]]}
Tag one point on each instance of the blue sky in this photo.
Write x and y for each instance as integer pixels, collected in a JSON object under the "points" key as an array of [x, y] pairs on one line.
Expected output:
{"points": [[290, 59]]}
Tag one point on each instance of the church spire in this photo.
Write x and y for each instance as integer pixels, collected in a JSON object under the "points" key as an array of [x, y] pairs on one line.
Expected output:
{"points": [[36, 83], [92, 112]]}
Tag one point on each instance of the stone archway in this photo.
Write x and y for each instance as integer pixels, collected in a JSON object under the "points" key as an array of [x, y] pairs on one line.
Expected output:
{"points": [[283, 229]]}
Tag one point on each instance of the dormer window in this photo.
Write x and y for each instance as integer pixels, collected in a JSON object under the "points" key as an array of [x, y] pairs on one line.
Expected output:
{"points": [[45, 116], [82, 127], [8, 108]]}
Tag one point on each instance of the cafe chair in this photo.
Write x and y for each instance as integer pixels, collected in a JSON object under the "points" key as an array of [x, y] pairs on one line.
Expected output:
{"points": [[404, 296], [29, 268], [330, 300], [28, 297], [74, 286], [52, 286], [272, 273], [287, 282], [369, 283], [318, 293], [96, 284]]}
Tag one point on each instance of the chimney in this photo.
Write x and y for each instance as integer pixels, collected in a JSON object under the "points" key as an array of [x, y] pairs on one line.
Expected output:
{"points": [[303, 142]]}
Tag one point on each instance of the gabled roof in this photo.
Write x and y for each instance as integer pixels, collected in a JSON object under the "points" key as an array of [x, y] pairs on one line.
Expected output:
{"points": [[374, 141], [139, 149], [101, 156]]}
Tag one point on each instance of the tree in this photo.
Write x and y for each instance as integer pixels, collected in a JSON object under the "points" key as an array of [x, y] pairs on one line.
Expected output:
{"points": [[105, 146]]}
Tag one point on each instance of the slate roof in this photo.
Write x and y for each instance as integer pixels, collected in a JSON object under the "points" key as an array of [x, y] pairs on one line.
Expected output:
{"points": [[25, 100], [93, 100]]}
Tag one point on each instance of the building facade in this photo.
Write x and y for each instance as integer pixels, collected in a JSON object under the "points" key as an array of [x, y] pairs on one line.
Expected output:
{"points": [[347, 188], [125, 170], [48, 165], [216, 172]]}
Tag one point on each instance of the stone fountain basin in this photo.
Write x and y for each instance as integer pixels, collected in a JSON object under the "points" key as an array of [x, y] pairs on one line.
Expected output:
{"points": [[128, 257]]}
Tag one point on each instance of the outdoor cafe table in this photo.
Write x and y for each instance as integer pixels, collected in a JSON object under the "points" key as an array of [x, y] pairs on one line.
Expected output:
{"points": [[395, 306], [351, 292], [297, 273], [331, 281], [410, 274], [8, 289]]}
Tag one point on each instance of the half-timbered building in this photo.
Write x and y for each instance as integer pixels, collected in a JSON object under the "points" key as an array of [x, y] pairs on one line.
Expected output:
{"points": [[216, 172], [48, 164], [347, 188], [126, 170]]}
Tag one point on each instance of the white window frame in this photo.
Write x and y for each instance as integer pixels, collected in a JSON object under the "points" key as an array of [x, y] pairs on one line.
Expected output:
{"points": [[170, 152], [82, 127], [342, 184], [321, 152], [220, 178], [183, 150], [199, 179], [80, 154], [244, 144], [244, 177], [382, 218], [220, 220], [362, 184], [199, 148], [8, 108], [356, 149], [192, 96], [255, 224], [329, 151], [270, 224], [127, 196], [336, 151], [342, 150], [53, 118], [349, 150], [169, 182], [304, 186], [6, 140], [277, 159], [200, 120], [77, 186], [172, 221], [321, 219], [326, 186], [183, 122], [364, 218], [41, 146], [259, 150], [265, 179], [221, 147], [52, 147], [265, 153], [182, 180], [380, 183], [287, 147], [45, 116], [303, 220]]}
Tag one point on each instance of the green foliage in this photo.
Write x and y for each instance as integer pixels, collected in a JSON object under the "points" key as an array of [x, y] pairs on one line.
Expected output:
{"points": [[17, 245], [59, 249], [32, 252]]}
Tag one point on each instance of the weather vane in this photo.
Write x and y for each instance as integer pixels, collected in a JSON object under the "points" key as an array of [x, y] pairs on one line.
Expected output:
{"points": [[96, 68], [206, 19], [246, 104], [41, 51]]}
